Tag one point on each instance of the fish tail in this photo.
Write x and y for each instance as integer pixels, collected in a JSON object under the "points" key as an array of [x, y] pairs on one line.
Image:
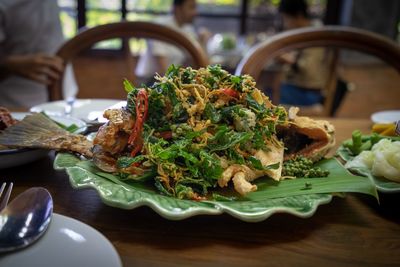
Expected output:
{"points": [[39, 131]]}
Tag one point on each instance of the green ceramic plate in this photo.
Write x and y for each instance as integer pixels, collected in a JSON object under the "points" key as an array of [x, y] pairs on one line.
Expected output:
{"points": [[299, 197], [382, 185]]}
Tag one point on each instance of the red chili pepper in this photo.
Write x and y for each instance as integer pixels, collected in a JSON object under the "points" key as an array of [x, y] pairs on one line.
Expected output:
{"points": [[136, 164], [137, 130], [142, 107], [166, 135], [230, 92], [136, 149]]}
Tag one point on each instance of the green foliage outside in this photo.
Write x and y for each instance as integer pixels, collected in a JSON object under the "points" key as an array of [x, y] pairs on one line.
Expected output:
{"points": [[103, 12], [68, 25]]}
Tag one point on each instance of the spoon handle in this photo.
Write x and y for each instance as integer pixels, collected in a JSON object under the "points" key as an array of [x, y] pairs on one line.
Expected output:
{"points": [[25, 219]]}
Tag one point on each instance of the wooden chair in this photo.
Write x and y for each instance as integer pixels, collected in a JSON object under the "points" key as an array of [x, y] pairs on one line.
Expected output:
{"points": [[335, 37], [122, 30]]}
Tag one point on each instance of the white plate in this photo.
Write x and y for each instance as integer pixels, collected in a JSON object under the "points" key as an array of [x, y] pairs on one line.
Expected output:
{"points": [[15, 157], [86, 109], [388, 116], [66, 243], [67, 121]]}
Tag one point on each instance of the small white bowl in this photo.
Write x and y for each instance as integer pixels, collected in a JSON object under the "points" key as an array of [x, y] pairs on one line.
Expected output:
{"points": [[387, 116]]}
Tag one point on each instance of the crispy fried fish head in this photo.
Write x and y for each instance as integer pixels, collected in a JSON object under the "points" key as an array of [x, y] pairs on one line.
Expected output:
{"points": [[306, 137]]}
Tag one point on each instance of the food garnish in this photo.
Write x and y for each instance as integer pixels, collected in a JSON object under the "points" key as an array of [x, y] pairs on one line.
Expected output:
{"points": [[302, 167], [357, 144], [383, 159], [385, 129]]}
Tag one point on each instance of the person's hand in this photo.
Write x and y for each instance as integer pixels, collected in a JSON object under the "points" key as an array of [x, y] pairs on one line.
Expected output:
{"points": [[42, 68]]}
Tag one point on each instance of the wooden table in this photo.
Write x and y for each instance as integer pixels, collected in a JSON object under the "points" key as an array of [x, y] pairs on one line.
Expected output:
{"points": [[351, 231]]}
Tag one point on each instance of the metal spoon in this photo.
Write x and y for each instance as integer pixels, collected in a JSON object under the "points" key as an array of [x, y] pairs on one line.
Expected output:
{"points": [[25, 219]]}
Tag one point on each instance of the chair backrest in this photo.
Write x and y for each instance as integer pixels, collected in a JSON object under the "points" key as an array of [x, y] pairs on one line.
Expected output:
{"points": [[126, 29], [328, 36]]}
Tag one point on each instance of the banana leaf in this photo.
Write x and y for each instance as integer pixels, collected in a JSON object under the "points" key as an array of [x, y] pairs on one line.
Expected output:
{"points": [[300, 197]]}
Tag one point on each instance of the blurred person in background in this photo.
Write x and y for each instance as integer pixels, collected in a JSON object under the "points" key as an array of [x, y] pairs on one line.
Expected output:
{"points": [[160, 55], [307, 70], [30, 34]]}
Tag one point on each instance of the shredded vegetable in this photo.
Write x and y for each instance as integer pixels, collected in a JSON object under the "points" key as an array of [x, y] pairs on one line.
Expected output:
{"points": [[191, 124]]}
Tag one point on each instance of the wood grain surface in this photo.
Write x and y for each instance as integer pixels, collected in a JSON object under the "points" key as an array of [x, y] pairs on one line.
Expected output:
{"points": [[350, 231]]}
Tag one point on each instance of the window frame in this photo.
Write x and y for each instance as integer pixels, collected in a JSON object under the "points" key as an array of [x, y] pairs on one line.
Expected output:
{"points": [[242, 16]]}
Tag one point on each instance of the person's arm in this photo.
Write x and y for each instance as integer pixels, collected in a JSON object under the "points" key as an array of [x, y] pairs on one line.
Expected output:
{"points": [[37, 67]]}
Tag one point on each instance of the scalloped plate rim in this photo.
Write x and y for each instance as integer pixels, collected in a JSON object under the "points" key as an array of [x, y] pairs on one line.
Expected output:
{"points": [[378, 186], [215, 209]]}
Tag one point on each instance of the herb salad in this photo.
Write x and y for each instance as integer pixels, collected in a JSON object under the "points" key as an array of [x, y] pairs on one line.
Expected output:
{"points": [[195, 130]]}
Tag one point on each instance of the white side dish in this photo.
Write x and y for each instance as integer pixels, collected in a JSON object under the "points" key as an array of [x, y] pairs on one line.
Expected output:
{"points": [[388, 116], [86, 109], [66, 243]]}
